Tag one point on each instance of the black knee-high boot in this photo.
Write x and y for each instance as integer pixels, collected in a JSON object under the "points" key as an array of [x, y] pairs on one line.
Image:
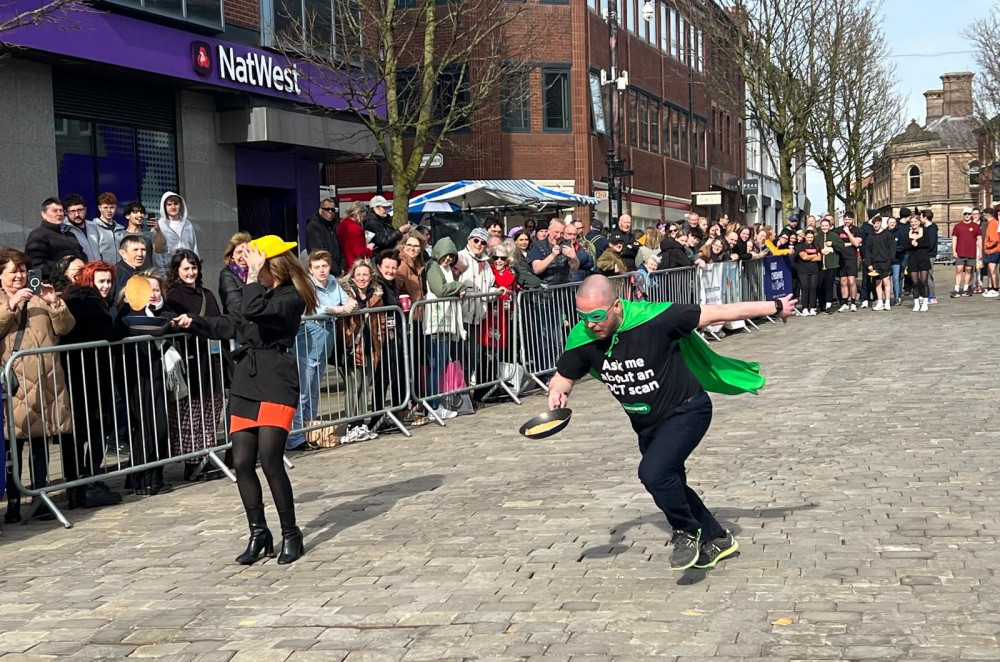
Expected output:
{"points": [[291, 538], [261, 540]]}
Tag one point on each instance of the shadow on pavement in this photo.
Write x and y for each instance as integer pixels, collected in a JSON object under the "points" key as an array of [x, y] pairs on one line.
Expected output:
{"points": [[372, 503], [727, 518]]}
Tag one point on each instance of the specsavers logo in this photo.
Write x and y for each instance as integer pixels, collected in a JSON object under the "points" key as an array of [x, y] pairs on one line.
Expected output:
{"points": [[249, 68], [638, 408]]}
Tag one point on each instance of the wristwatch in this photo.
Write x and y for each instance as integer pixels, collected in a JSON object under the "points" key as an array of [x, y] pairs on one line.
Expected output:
{"points": [[778, 306]]}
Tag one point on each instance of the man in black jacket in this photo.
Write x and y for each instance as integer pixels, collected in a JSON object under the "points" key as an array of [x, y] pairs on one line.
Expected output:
{"points": [[879, 251], [51, 240], [133, 253], [379, 223], [321, 235]]}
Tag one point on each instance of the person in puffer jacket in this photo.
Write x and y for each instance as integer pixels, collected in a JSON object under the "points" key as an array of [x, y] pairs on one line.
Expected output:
{"points": [[474, 270]]}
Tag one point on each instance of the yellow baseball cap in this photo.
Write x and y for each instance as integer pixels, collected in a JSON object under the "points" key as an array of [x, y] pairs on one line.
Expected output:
{"points": [[272, 245]]}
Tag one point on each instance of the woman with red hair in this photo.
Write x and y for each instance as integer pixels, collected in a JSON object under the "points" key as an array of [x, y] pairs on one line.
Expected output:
{"points": [[90, 375]]}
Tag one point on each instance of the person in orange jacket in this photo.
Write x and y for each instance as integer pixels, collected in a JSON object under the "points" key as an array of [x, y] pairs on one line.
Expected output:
{"points": [[991, 249]]}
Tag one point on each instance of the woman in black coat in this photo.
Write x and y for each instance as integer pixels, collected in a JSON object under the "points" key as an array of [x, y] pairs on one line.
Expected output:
{"points": [[233, 277], [194, 419], [265, 389], [672, 254], [90, 375]]}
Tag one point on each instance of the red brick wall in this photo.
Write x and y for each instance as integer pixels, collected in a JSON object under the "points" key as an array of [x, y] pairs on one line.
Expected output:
{"points": [[245, 13]]}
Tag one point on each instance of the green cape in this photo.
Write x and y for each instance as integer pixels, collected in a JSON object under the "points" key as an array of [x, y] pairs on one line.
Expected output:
{"points": [[717, 373]]}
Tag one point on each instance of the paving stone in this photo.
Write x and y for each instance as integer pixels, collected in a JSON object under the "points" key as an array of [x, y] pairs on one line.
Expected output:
{"points": [[870, 521]]}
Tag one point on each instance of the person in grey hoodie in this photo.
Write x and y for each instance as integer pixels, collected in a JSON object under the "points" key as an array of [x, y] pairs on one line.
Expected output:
{"points": [[177, 230], [104, 232]]}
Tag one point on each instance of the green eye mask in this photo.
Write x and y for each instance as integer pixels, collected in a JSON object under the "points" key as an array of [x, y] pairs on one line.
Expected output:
{"points": [[595, 316]]}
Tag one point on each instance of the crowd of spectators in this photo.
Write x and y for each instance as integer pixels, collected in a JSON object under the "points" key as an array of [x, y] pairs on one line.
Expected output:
{"points": [[163, 399]]}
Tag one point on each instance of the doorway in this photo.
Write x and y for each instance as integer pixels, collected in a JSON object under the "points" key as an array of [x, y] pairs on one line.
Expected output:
{"points": [[266, 210]]}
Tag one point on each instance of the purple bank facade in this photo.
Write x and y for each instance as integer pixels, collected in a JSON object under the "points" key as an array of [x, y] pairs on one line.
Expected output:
{"points": [[126, 100]]}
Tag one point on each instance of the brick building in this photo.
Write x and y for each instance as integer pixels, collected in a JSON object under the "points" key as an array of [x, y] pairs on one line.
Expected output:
{"points": [[676, 136], [935, 165]]}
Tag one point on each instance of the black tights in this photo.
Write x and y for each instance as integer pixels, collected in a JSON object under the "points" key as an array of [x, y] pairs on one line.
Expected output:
{"points": [[268, 443], [919, 280]]}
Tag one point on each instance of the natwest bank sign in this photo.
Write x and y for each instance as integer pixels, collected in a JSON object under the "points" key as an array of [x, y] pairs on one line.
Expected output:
{"points": [[248, 67]]}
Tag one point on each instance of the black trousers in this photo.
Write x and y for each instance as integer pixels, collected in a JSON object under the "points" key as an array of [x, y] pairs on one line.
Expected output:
{"points": [[827, 277], [664, 450], [808, 283]]}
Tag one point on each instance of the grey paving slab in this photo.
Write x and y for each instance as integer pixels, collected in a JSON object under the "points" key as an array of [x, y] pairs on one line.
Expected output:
{"points": [[862, 484]]}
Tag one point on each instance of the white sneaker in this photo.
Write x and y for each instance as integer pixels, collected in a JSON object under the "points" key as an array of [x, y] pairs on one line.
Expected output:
{"points": [[864, 304], [916, 305], [445, 413], [828, 306], [843, 308], [854, 307], [812, 312], [923, 304], [887, 305], [878, 306], [365, 433], [350, 437]]}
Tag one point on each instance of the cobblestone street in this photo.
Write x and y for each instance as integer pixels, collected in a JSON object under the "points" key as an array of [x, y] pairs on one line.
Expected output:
{"points": [[862, 484]]}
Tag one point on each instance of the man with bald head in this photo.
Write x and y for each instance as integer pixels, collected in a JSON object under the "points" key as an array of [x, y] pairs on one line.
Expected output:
{"points": [[658, 368]]}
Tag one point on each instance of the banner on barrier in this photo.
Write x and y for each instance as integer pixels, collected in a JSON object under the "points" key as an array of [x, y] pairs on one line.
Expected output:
{"points": [[777, 276], [732, 289], [711, 290]]}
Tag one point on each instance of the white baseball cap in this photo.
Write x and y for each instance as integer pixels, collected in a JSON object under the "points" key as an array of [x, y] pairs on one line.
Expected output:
{"points": [[379, 201]]}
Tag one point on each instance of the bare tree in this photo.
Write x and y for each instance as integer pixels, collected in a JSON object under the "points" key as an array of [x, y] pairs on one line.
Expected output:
{"points": [[54, 12], [981, 33], [863, 108], [415, 72], [769, 52]]}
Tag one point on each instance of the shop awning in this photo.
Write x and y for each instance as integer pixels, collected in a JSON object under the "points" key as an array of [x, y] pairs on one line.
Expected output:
{"points": [[509, 194]]}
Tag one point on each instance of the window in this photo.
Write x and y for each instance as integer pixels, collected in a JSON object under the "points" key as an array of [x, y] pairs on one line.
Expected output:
{"points": [[202, 12], [726, 144], [515, 101], [654, 127], [913, 175], [329, 29], [675, 134], [674, 40], [973, 174], [632, 16], [666, 131], [557, 112], [648, 27], [702, 147], [684, 137], [633, 114], [451, 88], [681, 38], [135, 164], [644, 122], [700, 51], [715, 127], [664, 28]]}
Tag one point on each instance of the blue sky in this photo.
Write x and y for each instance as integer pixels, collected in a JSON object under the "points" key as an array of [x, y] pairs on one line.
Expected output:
{"points": [[927, 27]]}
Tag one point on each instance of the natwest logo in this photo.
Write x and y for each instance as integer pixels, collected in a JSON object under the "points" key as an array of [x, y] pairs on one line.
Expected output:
{"points": [[201, 59], [257, 69]]}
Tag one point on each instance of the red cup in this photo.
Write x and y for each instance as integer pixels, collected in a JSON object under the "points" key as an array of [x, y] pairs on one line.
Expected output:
{"points": [[404, 302]]}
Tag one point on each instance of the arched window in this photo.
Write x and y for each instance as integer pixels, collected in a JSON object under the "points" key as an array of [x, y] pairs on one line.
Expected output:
{"points": [[913, 176]]}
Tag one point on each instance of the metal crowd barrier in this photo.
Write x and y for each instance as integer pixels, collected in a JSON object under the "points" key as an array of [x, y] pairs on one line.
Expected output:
{"points": [[676, 285], [463, 344], [122, 408], [353, 366]]}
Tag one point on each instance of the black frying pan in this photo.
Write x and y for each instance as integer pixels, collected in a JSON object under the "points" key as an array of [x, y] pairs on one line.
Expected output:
{"points": [[561, 415]]}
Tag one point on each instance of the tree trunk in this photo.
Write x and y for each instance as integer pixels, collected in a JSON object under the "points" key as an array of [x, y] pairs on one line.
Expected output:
{"points": [[786, 180]]}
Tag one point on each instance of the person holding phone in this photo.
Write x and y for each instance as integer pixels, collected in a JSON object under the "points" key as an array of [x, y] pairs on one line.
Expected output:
{"points": [[31, 320], [152, 238]]}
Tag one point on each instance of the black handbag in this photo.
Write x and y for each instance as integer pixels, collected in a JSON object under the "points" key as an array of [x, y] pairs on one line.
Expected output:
{"points": [[14, 384]]}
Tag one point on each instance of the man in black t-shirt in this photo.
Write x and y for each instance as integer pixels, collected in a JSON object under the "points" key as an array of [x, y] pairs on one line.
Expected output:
{"points": [[849, 263], [634, 348]]}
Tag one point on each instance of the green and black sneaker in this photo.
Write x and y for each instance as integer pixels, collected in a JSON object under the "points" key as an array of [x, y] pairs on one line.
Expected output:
{"points": [[713, 551], [685, 552]]}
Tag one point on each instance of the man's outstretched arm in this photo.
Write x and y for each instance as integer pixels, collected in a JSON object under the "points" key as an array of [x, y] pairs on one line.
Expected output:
{"points": [[732, 312]]}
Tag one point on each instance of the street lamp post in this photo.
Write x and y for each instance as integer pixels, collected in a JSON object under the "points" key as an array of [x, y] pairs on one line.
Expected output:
{"points": [[619, 81]]}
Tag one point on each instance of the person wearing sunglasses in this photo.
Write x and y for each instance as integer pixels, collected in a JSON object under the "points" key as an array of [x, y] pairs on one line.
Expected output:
{"points": [[659, 369], [474, 265], [321, 235]]}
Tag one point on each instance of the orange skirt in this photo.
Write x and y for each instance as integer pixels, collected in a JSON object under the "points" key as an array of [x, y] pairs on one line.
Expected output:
{"points": [[247, 414]]}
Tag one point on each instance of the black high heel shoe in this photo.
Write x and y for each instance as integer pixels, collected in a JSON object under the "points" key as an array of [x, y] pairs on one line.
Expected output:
{"points": [[292, 547], [261, 540]]}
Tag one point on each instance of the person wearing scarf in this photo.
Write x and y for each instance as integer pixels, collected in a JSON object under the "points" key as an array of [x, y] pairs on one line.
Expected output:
{"points": [[659, 369], [233, 277]]}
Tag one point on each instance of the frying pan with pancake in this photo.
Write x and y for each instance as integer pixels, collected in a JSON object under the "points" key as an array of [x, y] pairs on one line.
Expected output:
{"points": [[547, 424]]}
